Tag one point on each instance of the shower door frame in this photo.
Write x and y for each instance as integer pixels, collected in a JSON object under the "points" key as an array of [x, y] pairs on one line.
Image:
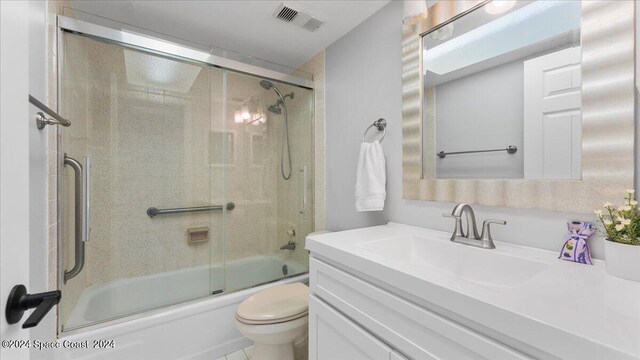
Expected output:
{"points": [[171, 50]]}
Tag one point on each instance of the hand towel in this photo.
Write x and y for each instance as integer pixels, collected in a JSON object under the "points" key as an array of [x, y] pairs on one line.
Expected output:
{"points": [[371, 178]]}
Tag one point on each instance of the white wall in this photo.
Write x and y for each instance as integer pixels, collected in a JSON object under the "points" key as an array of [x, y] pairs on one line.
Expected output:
{"points": [[38, 177], [362, 84], [363, 73], [14, 171]]}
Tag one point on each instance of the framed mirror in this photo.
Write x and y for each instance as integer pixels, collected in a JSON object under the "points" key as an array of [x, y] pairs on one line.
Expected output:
{"points": [[520, 103]]}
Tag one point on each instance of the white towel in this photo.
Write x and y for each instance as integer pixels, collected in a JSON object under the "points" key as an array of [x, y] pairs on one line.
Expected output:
{"points": [[371, 178]]}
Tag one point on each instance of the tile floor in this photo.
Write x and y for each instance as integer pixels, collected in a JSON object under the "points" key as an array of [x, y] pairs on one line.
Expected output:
{"points": [[244, 354]]}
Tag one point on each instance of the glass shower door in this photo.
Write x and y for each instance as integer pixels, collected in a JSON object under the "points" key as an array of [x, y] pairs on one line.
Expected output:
{"points": [[270, 178], [152, 134]]}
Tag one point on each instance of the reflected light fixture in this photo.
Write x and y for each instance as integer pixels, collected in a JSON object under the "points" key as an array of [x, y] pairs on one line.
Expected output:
{"points": [[442, 33], [159, 73], [238, 117], [244, 109], [250, 111], [499, 6], [415, 11]]}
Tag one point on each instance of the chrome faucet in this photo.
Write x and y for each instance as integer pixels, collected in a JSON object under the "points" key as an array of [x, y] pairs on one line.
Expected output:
{"points": [[483, 240], [288, 246]]}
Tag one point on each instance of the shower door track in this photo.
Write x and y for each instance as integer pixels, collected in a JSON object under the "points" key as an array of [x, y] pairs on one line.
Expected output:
{"points": [[173, 50]]}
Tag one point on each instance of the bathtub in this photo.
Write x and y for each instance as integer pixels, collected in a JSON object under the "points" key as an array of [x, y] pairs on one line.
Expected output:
{"points": [[199, 329]]}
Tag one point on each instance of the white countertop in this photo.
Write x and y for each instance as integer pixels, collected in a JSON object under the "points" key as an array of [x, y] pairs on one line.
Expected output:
{"points": [[568, 310]]}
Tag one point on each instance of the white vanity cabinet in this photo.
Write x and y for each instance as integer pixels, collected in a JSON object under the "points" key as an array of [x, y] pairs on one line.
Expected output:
{"points": [[335, 337], [352, 319], [397, 291]]}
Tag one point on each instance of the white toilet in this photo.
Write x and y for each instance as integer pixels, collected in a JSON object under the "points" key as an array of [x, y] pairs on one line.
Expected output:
{"points": [[275, 319]]}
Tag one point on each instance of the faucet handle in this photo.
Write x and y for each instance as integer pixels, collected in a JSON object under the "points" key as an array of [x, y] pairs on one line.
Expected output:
{"points": [[457, 231], [486, 231], [494, 221]]}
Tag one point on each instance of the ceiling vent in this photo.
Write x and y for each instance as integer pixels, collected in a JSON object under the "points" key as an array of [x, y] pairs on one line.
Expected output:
{"points": [[297, 17]]}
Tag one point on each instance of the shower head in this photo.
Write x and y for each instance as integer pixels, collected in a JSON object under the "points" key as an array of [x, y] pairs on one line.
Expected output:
{"points": [[269, 85], [275, 108], [266, 84]]}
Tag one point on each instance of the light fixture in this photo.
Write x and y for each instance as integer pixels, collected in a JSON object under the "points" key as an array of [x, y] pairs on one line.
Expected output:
{"points": [[160, 73], [251, 111], [415, 11], [244, 110], [238, 117], [499, 6], [442, 33]]}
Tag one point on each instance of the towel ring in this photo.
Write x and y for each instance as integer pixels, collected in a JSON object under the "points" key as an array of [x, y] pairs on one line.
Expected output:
{"points": [[380, 124]]}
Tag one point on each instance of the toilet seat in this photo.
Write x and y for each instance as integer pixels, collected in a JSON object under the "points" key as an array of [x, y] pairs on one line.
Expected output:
{"points": [[271, 322], [275, 305]]}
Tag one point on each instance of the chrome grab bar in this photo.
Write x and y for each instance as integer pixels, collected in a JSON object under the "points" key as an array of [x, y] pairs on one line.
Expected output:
{"points": [[152, 211], [79, 214], [42, 121], [511, 149]]}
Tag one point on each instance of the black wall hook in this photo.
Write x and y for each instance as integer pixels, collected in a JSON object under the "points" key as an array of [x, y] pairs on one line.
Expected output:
{"points": [[19, 302]]}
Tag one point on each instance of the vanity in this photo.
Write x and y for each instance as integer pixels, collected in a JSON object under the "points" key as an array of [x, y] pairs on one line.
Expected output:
{"points": [[403, 292]]}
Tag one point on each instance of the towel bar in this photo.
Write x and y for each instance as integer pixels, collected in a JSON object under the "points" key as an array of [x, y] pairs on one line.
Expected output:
{"points": [[511, 149], [380, 124]]}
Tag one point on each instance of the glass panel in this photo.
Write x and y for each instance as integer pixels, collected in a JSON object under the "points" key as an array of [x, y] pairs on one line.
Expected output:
{"points": [[271, 211], [147, 124]]}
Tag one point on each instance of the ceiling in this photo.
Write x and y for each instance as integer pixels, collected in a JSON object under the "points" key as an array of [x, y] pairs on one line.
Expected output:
{"points": [[245, 27]]}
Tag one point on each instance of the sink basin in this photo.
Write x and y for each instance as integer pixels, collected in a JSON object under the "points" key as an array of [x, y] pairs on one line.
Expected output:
{"points": [[482, 266]]}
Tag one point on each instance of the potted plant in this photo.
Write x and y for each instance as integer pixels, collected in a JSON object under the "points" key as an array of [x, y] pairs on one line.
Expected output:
{"points": [[621, 227]]}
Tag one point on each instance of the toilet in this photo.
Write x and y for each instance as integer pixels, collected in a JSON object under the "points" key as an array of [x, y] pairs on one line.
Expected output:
{"points": [[276, 319]]}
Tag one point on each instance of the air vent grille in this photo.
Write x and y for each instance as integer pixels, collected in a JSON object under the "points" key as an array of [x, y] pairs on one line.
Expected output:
{"points": [[312, 25], [297, 17], [286, 14]]}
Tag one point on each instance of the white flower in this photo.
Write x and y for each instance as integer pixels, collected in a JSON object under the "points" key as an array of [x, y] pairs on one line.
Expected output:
{"points": [[624, 221], [608, 222], [630, 191], [624, 208], [607, 205], [598, 212], [633, 202], [619, 227]]}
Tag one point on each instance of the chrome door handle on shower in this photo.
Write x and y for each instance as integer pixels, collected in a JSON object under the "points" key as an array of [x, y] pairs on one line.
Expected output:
{"points": [[304, 190], [78, 218], [86, 230]]}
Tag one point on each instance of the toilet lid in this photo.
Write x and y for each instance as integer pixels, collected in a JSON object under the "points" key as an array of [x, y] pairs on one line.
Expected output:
{"points": [[276, 304]]}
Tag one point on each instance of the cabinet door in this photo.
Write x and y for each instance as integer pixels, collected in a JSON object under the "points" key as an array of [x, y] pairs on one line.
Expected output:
{"points": [[334, 337]]}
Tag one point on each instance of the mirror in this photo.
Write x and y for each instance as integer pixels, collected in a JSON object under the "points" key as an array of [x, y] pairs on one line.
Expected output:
{"points": [[524, 104], [502, 91]]}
